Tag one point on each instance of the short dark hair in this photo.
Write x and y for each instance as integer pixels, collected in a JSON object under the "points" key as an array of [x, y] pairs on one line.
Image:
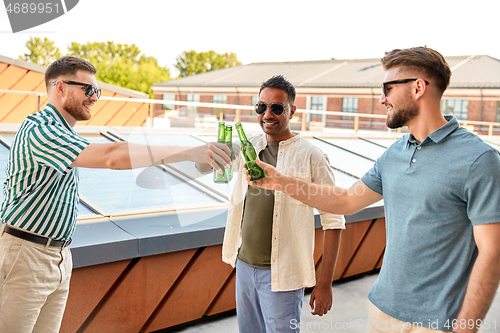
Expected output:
{"points": [[281, 83], [421, 58], [67, 65]]}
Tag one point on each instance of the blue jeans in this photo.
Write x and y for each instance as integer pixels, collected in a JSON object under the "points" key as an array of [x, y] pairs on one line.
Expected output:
{"points": [[261, 310]]}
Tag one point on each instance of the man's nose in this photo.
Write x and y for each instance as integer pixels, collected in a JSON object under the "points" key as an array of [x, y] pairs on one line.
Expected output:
{"points": [[383, 99], [94, 98], [268, 112]]}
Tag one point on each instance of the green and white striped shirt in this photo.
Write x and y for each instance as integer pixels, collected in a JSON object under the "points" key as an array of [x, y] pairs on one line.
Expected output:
{"points": [[41, 190]]}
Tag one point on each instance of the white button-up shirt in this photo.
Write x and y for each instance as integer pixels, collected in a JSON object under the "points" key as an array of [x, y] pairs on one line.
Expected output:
{"points": [[292, 250]]}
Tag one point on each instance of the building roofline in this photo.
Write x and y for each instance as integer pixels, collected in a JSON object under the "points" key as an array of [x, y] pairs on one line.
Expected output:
{"points": [[23, 64], [214, 80], [41, 69]]}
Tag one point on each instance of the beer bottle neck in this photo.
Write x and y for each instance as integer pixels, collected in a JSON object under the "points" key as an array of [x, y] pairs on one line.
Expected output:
{"points": [[221, 134], [241, 133]]}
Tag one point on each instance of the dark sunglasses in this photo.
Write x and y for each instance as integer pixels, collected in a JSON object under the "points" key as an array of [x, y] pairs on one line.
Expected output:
{"points": [[384, 84], [89, 89], [276, 108]]}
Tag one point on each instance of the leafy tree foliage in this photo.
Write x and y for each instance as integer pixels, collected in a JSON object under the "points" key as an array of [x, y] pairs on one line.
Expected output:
{"points": [[192, 62], [123, 65], [42, 52]]}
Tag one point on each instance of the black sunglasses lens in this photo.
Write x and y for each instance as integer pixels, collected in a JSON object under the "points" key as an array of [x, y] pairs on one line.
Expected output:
{"points": [[91, 90], [260, 108], [277, 109]]}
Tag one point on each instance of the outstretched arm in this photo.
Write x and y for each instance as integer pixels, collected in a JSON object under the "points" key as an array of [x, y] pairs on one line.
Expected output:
{"points": [[331, 199], [483, 281], [126, 155]]}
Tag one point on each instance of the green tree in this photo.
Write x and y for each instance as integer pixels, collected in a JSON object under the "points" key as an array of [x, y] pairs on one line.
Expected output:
{"points": [[41, 52], [123, 65], [192, 62]]}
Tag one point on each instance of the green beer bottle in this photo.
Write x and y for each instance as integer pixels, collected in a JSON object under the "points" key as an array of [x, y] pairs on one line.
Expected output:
{"points": [[228, 174], [221, 137], [248, 152]]}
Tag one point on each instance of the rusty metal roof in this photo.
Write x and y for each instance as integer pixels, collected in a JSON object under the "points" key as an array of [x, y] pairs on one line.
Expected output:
{"points": [[20, 75]]}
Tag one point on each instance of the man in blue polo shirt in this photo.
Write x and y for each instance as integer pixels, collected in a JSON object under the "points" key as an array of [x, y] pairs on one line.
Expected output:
{"points": [[441, 191]]}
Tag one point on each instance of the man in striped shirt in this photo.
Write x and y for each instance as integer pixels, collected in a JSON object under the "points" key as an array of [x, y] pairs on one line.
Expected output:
{"points": [[41, 195]]}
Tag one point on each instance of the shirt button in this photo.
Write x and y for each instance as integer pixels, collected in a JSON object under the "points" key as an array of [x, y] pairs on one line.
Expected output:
{"points": [[414, 160], [419, 147]]}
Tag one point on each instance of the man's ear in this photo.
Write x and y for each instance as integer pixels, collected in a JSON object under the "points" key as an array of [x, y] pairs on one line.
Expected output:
{"points": [[293, 108], [59, 88], [420, 88]]}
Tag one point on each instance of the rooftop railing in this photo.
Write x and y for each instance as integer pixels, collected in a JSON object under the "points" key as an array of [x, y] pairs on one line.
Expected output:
{"points": [[491, 126]]}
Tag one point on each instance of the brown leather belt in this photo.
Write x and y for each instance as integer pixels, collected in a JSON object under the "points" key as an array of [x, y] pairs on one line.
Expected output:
{"points": [[46, 241]]}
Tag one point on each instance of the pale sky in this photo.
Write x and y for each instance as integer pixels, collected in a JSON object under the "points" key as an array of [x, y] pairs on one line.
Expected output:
{"points": [[269, 30]]}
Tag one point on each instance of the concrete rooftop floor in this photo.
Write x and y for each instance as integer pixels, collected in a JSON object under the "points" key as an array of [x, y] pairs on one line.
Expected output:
{"points": [[350, 310]]}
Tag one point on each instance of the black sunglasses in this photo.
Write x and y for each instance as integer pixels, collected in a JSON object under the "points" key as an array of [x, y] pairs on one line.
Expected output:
{"points": [[276, 108], [384, 84], [89, 89]]}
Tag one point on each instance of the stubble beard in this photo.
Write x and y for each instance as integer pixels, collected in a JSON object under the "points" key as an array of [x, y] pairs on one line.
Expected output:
{"points": [[75, 109], [402, 116]]}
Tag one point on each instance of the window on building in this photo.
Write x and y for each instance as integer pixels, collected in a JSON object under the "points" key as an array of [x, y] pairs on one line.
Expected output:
{"points": [[193, 98], [456, 107], [220, 99], [350, 105], [255, 100], [498, 112], [317, 103], [168, 97]]}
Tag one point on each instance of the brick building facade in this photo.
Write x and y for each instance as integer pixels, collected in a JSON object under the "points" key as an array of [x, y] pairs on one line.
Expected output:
{"points": [[348, 86]]}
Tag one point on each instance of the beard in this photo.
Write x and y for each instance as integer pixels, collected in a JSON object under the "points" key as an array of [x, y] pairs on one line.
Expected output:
{"points": [[76, 109], [402, 116]]}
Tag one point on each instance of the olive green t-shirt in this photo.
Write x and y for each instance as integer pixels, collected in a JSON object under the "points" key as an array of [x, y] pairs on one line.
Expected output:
{"points": [[257, 220]]}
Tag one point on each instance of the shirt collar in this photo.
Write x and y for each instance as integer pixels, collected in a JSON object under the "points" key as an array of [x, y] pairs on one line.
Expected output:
{"points": [[439, 134], [263, 141], [50, 109]]}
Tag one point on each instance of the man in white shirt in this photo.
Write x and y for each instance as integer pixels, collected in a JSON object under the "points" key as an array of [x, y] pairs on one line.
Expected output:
{"points": [[269, 236]]}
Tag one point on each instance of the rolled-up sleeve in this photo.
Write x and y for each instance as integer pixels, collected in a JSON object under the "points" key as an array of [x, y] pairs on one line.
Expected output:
{"points": [[323, 175]]}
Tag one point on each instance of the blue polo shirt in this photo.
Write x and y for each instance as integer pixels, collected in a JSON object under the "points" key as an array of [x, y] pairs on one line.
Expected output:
{"points": [[434, 193]]}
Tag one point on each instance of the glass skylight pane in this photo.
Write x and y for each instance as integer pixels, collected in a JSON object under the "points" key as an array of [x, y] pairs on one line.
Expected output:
{"points": [[83, 211], [384, 142], [186, 167], [4, 158], [361, 147], [189, 169], [494, 144], [96, 139], [120, 192], [9, 137], [343, 180], [163, 140], [343, 160]]}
